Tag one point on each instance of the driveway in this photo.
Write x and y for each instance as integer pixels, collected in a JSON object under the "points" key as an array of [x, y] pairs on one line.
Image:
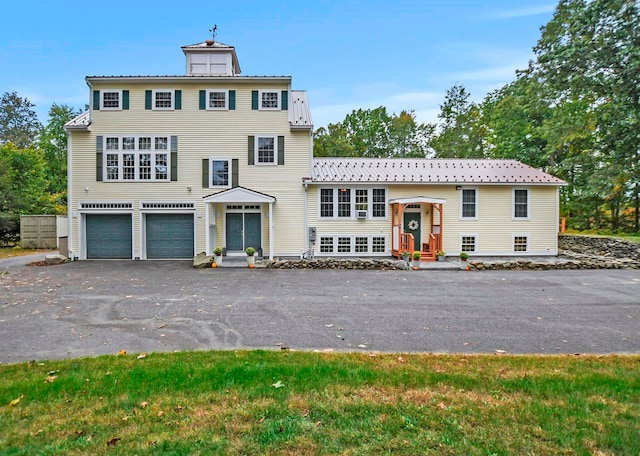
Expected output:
{"points": [[96, 307]]}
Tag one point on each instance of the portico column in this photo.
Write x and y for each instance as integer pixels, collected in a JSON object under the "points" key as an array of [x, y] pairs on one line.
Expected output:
{"points": [[270, 231]]}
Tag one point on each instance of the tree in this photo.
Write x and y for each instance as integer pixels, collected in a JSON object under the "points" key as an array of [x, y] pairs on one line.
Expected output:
{"points": [[590, 51], [53, 142], [18, 121], [460, 131], [373, 133]]}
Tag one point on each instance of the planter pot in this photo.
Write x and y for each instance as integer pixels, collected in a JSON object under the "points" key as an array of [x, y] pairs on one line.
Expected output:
{"points": [[251, 260], [415, 264], [440, 257], [218, 259], [463, 265], [406, 257]]}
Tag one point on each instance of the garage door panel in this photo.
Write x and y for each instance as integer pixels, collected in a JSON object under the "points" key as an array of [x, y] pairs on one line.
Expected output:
{"points": [[108, 236], [169, 236]]}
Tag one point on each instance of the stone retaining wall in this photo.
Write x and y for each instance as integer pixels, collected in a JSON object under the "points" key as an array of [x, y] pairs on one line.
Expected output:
{"points": [[338, 263]]}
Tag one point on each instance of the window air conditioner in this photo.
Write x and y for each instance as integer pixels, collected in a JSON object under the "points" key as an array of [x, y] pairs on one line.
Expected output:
{"points": [[361, 214]]}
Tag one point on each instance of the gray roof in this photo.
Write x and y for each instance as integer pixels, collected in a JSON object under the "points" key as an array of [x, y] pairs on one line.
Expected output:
{"points": [[427, 171], [208, 45], [299, 111], [81, 122]]}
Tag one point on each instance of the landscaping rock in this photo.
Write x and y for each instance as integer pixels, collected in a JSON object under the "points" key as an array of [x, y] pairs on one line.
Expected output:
{"points": [[202, 260], [54, 258]]}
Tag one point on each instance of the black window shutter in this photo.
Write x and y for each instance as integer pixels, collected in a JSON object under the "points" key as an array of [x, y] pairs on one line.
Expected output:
{"points": [[284, 102], [254, 100], [203, 99], [281, 150], [147, 99], [125, 99], [174, 158], [96, 100], [205, 173], [234, 172], [177, 99], [252, 150], [232, 100], [99, 158]]}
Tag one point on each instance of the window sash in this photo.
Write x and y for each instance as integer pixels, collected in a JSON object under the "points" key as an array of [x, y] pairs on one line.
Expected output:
{"points": [[326, 202], [521, 203], [469, 199], [468, 243], [217, 99], [344, 202], [131, 158], [266, 149], [362, 199], [520, 243], [110, 99], [269, 100], [353, 244], [163, 99], [220, 173], [379, 205]]}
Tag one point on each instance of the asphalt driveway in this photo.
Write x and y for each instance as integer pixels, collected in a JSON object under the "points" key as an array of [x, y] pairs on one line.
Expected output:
{"points": [[96, 307]]}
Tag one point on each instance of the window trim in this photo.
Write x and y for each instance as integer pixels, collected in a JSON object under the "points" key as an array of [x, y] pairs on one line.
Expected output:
{"points": [[154, 92], [230, 176], [226, 99], [136, 151], [352, 244], [256, 151], [110, 108], [527, 236], [352, 203], [477, 205], [475, 242], [278, 96], [513, 203]]}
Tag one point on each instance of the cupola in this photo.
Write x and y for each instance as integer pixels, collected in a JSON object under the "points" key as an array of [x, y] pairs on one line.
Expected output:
{"points": [[211, 58]]}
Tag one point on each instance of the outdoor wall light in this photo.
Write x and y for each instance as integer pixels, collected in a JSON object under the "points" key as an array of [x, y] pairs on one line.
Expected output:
{"points": [[188, 189], [86, 189]]}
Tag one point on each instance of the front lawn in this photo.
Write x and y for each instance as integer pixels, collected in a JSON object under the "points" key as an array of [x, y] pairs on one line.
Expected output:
{"points": [[302, 403]]}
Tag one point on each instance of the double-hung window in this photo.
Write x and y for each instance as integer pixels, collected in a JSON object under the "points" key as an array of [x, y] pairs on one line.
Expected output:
{"points": [[217, 99], [521, 243], [220, 173], [163, 99], [468, 243], [111, 99], [469, 203], [349, 202], [520, 203], [269, 99], [130, 158], [266, 148]]}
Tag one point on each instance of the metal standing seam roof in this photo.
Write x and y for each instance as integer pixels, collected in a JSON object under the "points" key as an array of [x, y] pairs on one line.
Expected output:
{"points": [[427, 171], [80, 122], [299, 112]]}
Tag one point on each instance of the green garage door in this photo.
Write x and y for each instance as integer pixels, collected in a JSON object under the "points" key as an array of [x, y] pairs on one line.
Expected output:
{"points": [[108, 236], [169, 236]]}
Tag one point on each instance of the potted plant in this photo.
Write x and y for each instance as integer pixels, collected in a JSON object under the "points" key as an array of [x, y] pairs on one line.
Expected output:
{"points": [[416, 259], [217, 253], [464, 256], [440, 255], [405, 256], [251, 260]]}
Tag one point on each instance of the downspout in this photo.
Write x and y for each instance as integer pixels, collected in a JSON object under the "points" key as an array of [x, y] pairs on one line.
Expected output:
{"points": [[69, 198]]}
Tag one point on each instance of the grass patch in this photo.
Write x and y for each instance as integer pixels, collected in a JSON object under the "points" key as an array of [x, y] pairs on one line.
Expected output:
{"points": [[8, 252], [268, 402]]}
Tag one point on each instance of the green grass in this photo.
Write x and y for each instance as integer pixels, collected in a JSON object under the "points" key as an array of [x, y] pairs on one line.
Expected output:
{"points": [[257, 402]]}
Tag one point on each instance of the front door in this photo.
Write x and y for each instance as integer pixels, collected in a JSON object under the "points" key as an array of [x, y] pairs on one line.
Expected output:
{"points": [[243, 230], [412, 223]]}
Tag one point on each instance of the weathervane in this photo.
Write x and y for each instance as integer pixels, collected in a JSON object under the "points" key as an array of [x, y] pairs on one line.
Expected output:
{"points": [[213, 32]]}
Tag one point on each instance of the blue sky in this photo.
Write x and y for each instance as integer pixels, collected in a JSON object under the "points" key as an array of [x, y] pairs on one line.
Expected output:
{"points": [[402, 54]]}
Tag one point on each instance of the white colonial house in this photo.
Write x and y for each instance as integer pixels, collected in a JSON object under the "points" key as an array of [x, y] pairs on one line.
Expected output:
{"points": [[166, 167]]}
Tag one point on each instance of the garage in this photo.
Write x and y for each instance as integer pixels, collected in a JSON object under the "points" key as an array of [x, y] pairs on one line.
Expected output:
{"points": [[108, 236], [169, 236]]}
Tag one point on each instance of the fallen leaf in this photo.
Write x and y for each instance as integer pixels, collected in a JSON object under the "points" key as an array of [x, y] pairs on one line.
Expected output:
{"points": [[362, 345], [143, 404], [50, 378], [330, 325], [122, 352], [15, 401], [441, 406], [278, 384], [400, 359], [500, 352], [142, 356], [160, 413]]}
